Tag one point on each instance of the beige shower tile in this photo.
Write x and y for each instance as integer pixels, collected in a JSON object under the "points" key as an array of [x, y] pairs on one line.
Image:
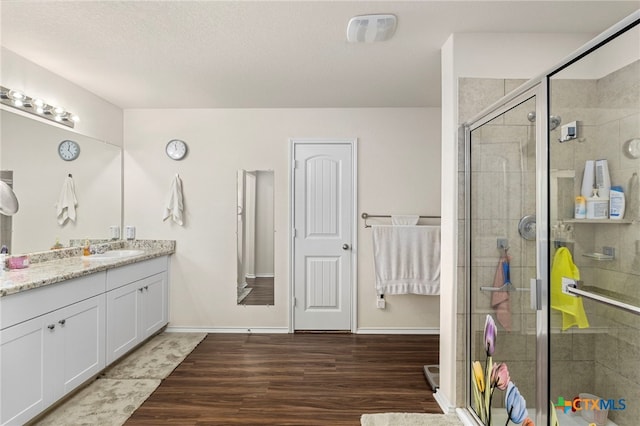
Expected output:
{"points": [[476, 94], [583, 346], [512, 84], [519, 114], [607, 348], [620, 89]]}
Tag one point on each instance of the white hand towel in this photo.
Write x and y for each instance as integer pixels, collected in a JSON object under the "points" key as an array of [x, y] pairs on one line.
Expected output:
{"points": [[404, 219], [67, 202], [174, 205], [407, 259]]}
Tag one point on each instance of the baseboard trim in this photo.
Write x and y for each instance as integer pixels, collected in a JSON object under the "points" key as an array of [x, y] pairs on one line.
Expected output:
{"points": [[443, 402], [238, 330], [465, 417], [398, 330], [285, 330]]}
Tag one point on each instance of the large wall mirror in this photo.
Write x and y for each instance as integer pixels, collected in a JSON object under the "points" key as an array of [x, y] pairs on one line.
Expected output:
{"points": [[29, 159], [255, 238]]}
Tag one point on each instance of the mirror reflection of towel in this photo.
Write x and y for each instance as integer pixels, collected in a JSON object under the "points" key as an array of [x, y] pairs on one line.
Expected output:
{"points": [[67, 202], [174, 205], [500, 299]]}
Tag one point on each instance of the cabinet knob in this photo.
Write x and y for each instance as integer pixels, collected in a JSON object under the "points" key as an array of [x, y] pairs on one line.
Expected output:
{"points": [[62, 321], [146, 287], [141, 289], [51, 326]]}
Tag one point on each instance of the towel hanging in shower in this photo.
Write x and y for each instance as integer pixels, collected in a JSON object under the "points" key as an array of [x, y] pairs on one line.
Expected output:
{"points": [[500, 299], [570, 306]]}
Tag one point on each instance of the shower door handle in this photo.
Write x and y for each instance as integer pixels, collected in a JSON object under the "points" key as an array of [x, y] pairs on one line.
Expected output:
{"points": [[536, 292]]}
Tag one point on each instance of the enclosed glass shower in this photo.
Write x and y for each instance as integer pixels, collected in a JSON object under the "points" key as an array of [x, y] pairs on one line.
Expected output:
{"points": [[552, 262]]}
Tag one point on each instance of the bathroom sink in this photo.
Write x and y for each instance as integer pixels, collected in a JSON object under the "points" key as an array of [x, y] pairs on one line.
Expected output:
{"points": [[114, 254]]}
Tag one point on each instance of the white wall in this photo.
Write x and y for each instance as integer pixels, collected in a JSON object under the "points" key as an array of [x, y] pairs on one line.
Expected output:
{"points": [[398, 172], [514, 56], [98, 118]]}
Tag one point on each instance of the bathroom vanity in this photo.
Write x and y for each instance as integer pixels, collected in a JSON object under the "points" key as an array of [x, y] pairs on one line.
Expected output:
{"points": [[63, 321]]}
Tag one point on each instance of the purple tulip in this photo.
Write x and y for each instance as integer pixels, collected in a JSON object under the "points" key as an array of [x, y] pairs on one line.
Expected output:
{"points": [[490, 332], [515, 404], [500, 376]]}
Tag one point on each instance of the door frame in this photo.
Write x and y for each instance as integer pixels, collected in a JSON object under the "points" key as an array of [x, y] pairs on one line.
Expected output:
{"points": [[353, 143]]}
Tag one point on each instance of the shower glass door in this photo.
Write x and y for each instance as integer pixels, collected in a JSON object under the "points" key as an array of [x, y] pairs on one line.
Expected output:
{"points": [[595, 328], [502, 256]]}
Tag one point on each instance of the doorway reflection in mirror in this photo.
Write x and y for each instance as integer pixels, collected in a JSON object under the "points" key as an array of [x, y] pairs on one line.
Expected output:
{"points": [[255, 269]]}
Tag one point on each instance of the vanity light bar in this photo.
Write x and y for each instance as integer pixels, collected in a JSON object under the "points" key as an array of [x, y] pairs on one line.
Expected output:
{"points": [[36, 106]]}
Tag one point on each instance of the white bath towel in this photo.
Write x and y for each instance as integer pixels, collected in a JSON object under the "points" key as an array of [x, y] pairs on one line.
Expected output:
{"points": [[174, 205], [67, 202], [407, 259], [405, 219]]}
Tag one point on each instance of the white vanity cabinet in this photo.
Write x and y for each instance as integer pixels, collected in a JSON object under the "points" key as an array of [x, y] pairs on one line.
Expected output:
{"points": [[137, 305], [51, 341]]}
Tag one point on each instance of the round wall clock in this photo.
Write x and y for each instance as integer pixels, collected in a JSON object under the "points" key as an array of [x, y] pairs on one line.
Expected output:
{"points": [[68, 150], [632, 148], [176, 149]]}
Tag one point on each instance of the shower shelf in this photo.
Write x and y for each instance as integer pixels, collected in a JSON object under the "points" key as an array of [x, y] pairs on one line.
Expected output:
{"points": [[598, 256], [612, 221]]}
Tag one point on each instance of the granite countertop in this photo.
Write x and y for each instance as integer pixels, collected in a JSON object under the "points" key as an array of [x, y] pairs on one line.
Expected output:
{"points": [[54, 266]]}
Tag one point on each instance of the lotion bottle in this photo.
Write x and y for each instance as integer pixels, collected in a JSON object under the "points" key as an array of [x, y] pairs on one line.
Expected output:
{"points": [[616, 203]]}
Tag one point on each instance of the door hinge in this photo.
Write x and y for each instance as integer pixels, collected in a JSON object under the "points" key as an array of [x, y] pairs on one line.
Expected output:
{"points": [[295, 233], [295, 164], [295, 302]]}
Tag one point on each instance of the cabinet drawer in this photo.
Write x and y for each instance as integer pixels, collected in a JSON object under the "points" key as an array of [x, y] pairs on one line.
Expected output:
{"points": [[25, 305], [118, 277]]}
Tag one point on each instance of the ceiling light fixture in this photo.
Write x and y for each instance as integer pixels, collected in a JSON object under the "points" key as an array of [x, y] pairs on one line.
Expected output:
{"points": [[371, 28], [37, 106]]}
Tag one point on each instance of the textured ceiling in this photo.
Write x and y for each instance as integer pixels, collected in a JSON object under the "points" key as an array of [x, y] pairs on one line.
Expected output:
{"points": [[204, 54]]}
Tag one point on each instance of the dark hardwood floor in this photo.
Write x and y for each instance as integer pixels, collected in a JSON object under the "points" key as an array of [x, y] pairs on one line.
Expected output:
{"points": [[261, 292], [294, 379]]}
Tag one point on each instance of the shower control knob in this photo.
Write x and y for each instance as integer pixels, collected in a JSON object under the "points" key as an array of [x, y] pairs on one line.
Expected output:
{"points": [[345, 247]]}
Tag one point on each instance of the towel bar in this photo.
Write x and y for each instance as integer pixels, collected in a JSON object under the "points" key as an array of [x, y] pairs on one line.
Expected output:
{"points": [[506, 288], [366, 216], [606, 300]]}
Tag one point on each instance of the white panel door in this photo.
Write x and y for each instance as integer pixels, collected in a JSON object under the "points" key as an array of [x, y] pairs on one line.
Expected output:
{"points": [[323, 217]]}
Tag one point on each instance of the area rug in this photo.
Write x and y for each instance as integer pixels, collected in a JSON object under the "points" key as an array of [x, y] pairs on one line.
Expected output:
{"points": [[114, 396], [105, 402], [409, 419], [157, 358]]}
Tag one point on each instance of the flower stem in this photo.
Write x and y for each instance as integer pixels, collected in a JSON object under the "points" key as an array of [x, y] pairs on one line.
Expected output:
{"points": [[509, 416]]}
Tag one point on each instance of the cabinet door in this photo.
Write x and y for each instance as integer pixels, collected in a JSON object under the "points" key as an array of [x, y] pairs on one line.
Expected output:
{"points": [[81, 326], [154, 304], [22, 376], [123, 320]]}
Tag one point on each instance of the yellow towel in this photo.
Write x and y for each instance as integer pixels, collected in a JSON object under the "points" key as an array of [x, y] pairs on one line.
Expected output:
{"points": [[570, 306]]}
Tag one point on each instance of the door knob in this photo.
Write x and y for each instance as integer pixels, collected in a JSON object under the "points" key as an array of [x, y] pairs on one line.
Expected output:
{"points": [[345, 246]]}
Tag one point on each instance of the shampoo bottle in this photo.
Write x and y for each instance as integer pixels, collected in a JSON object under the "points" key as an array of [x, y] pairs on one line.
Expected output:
{"points": [[616, 203], [588, 179], [603, 180], [581, 207]]}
